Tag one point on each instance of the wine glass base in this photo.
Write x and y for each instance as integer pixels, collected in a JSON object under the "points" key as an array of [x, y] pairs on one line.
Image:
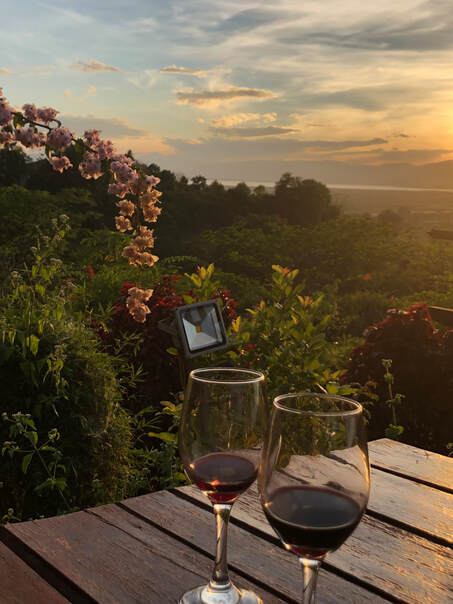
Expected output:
{"points": [[205, 594]]}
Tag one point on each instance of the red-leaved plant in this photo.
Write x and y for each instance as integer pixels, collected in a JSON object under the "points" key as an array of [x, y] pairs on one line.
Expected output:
{"points": [[160, 371], [422, 366]]}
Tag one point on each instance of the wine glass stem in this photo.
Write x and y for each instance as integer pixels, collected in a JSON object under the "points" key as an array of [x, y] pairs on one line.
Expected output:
{"points": [[309, 577], [220, 576]]}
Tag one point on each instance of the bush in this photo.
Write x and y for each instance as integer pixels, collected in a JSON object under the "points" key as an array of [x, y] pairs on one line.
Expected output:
{"points": [[146, 346], [422, 360], [66, 440], [285, 337]]}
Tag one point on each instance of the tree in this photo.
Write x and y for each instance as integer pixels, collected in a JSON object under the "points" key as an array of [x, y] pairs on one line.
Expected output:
{"points": [[391, 218], [13, 167], [199, 182], [305, 202]]}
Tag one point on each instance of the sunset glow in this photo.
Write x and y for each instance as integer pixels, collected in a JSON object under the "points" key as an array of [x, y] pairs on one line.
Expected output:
{"points": [[245, 90]]}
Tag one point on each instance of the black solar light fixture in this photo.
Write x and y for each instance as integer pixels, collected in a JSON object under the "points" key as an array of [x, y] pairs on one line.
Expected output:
{"points": [[197, 329]]}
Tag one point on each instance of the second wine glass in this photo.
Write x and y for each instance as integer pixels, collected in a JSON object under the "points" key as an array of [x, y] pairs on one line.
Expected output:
{"points": [[314, 478], [220, 440]]}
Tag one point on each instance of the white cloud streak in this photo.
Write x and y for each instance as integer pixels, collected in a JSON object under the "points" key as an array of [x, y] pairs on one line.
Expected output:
{"points": [[213, 98], [93, 66], [174, 69]]}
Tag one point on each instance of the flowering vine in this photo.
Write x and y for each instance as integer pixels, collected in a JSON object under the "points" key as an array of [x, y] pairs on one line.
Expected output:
{"points": [[138, 198]]}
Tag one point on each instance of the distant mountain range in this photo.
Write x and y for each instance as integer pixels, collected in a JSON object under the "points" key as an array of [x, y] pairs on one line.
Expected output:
{"points": [[433, 175], [430, 175]]}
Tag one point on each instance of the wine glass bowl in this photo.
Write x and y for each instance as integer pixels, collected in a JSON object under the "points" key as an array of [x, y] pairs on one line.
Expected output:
{"points": [[220, 440], [314, 477]]}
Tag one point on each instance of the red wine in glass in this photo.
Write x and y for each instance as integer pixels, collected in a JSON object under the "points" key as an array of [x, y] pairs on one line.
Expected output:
{"points": [[312, 521], [223, 476]]}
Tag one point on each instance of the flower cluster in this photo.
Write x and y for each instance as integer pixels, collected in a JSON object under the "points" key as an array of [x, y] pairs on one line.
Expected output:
{"points": [[135, 303], [32, 127]]}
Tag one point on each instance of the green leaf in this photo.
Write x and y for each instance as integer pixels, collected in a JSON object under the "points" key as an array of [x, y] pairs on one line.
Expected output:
{"points": [[180, 477], [332, 388], [345, 390], [32, 437], [18, 120], [394, 432], [165, 436], [32, 343], [173, 351], [26, 462]]}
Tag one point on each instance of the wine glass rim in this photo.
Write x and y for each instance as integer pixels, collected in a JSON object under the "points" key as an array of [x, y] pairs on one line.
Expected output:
{"points": [[250, 375], [357, 407]]}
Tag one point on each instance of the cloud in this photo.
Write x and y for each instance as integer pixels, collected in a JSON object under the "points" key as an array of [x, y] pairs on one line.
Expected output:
{"points": [[401, 135], [5, 71], [412, 155], [234, 119], [342, 144], [144, 80], [426, 27], [252, 132], [369, 98], [280, 148], [247, 20], [43, 67], [123, 135], [67, 14], [90, 92], [212, 98], [93, 66], [110, 127], [174, 69]]}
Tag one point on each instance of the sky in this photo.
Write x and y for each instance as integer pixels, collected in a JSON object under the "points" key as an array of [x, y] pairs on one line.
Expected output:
{"points": [[345, 91]]}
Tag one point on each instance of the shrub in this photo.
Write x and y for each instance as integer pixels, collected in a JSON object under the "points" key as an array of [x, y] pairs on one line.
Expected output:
{"points": [[285, 337], [147, 346], [422, 360], [66, 440]]}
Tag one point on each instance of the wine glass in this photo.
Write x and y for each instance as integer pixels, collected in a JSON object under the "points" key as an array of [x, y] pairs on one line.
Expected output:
{"points": [[314, 477], [221, 435]]}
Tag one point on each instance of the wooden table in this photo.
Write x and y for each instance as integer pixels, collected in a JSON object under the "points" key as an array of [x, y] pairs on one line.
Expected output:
{"points": [[152, 548]]}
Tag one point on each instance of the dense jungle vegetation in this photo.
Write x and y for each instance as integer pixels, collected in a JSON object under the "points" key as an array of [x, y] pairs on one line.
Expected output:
{"points": [[91, 399]]}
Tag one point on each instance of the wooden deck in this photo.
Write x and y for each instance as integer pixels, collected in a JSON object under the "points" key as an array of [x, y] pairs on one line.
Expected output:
{"points": [[151, 549]]}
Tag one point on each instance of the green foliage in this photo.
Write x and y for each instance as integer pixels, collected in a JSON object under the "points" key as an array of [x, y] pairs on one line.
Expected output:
{"points": [[26, 444], [305, 202], [56, 382], [393, 431], [285, 337]]}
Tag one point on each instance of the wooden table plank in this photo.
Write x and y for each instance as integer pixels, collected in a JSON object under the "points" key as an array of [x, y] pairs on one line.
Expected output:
{"points": [[395, 561], [247, 553], [20, 584], [430, 468], [113, 566], [412, 505]]}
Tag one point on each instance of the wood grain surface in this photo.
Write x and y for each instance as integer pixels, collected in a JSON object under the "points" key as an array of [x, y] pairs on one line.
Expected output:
{"points": [[151, 549], [247, 553], [430, 468], [116, 558], [412, 505], [19, 584], [394, 561]]}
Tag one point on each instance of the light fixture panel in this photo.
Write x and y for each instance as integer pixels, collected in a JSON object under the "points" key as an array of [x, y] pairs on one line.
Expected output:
{"points": [[201, 328]]}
